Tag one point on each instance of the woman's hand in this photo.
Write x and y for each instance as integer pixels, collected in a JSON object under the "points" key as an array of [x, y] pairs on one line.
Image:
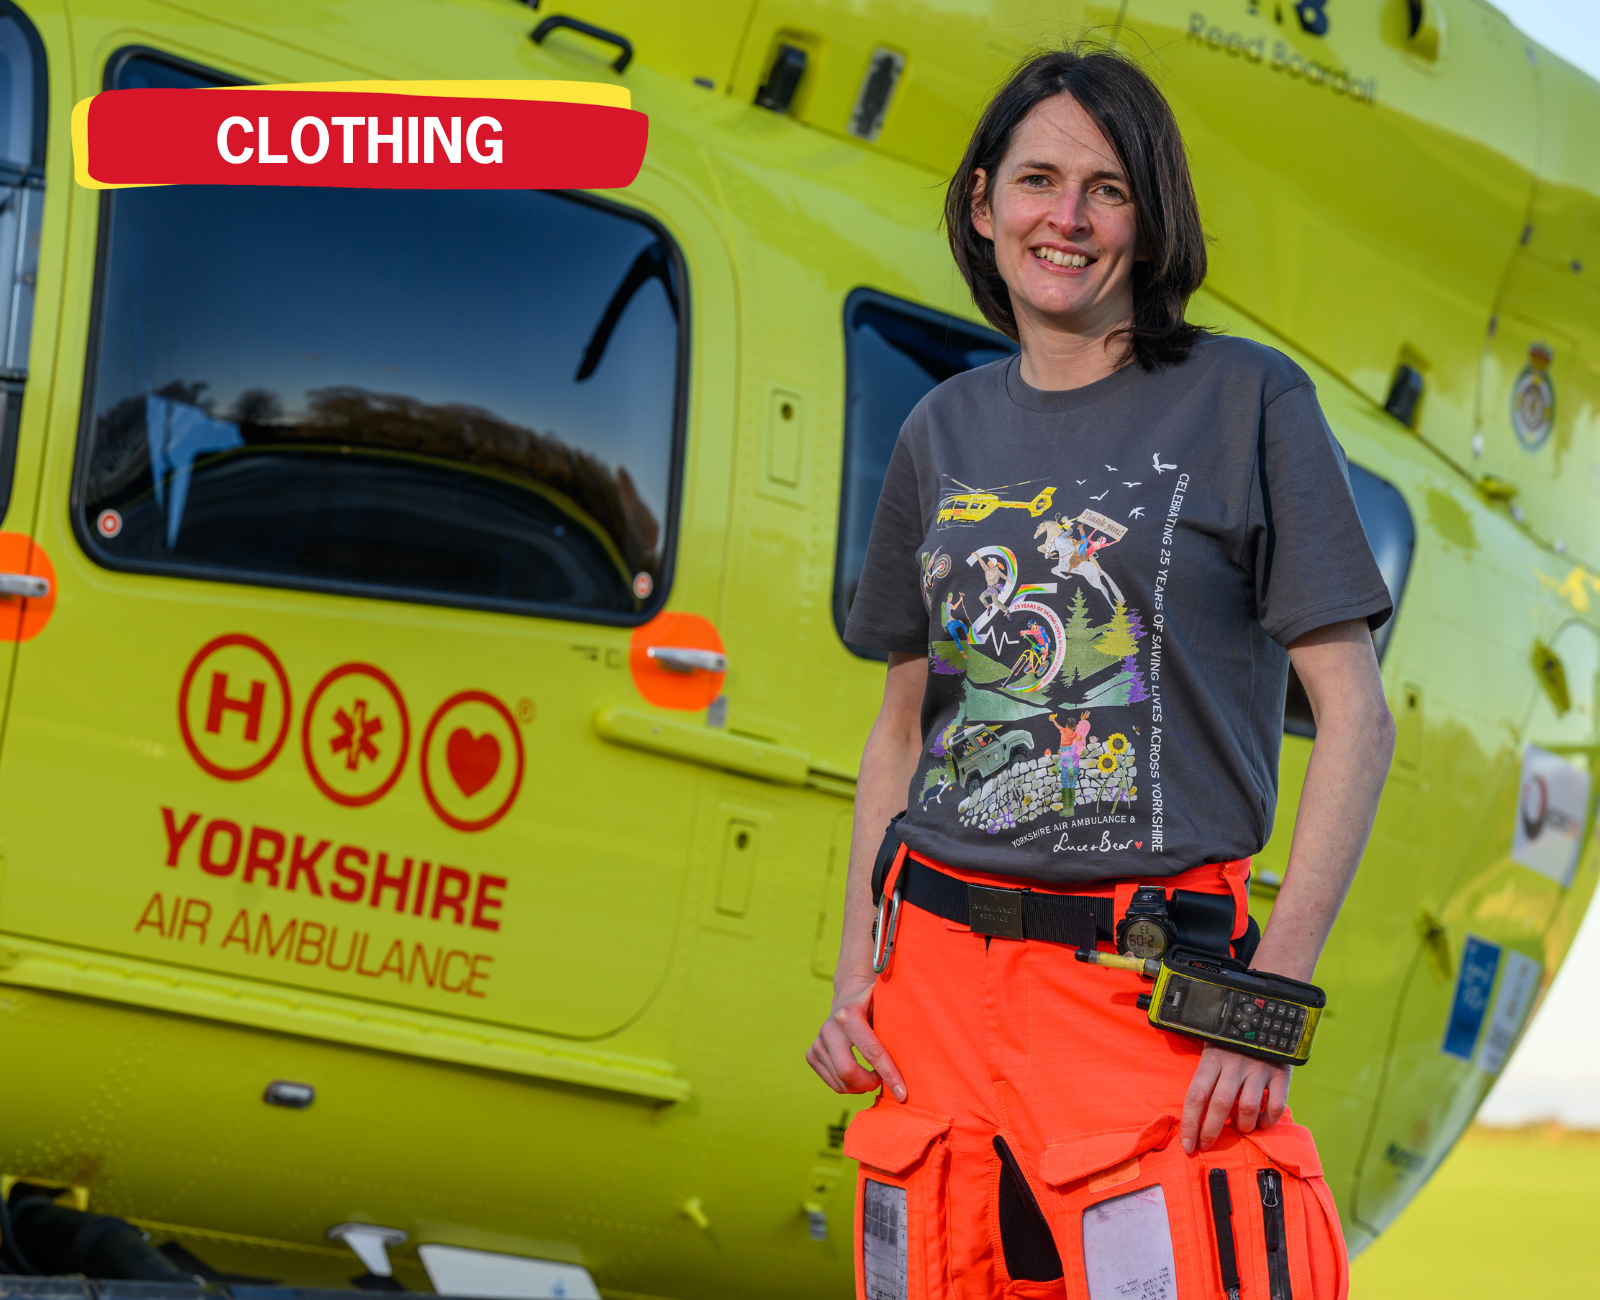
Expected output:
{"points": [[850, 1025], [1221, 1080]]}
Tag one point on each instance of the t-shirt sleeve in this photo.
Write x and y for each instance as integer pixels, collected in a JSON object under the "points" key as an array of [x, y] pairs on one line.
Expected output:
{"points": [[888, 612], [1304, 540]]}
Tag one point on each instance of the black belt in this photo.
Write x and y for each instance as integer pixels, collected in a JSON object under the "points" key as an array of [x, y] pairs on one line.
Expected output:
{"points": [[1074, 919]]}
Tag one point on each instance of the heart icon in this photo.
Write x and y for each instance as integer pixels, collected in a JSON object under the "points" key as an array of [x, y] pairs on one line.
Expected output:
{"points": [[473, 760], [1138, 844]]}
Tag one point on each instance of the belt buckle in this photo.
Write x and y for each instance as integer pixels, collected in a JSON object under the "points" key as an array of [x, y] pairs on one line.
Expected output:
{"points": [[995, 911]]}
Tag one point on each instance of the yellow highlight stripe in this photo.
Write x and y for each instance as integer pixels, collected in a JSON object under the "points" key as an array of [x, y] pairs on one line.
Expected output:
{"points": [[559, 92], [80, 147], [556, 92]]}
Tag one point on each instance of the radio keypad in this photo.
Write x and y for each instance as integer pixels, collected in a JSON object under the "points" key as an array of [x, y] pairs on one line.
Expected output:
{"points": [[1265, 1022], [1284, 1023]]}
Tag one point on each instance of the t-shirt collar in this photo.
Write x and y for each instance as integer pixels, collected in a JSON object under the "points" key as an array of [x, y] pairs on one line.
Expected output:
{"points": [[1057, 401]]}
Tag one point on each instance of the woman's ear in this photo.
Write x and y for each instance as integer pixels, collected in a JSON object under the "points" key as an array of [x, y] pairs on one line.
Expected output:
{"points": [[981, 220]]}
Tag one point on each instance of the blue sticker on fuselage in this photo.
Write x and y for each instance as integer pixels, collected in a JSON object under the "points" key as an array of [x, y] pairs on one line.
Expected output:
{"points": [[1480, 960]]}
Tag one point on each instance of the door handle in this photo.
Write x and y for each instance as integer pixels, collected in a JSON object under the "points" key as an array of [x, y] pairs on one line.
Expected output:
{"points": [[681, 659], [555, 21], [23, 584]]}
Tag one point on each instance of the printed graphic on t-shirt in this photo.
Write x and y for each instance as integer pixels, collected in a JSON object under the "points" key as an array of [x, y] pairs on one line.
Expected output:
{"points": [[1054, 719], [1106, 580]]}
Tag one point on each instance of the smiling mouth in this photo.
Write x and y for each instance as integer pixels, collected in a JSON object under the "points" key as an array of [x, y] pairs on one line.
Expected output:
{"points": [[1057, 258]]}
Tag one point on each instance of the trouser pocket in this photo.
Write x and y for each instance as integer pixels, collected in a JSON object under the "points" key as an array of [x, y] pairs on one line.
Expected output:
{"points": [[1123, 1215], [1289, 1244], [901, 1221], [1028, 1250], [1132, 1211]]}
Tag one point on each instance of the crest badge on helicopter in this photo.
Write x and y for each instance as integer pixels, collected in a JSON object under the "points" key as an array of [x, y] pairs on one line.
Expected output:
{"points": [[1533, 399]]}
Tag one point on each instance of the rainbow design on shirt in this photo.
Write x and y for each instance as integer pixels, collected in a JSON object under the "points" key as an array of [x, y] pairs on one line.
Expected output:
{"points": [[1058, 633]]}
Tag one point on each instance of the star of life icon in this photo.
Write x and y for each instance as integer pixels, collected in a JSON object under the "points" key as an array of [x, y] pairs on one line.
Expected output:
{"points": [[356, 731], [355, 734]]}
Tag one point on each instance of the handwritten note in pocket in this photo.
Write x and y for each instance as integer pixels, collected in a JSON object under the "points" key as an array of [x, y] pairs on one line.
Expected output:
{"points": [[1127, 1248]]}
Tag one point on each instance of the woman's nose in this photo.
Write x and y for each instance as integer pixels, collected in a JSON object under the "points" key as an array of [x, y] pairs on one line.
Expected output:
{"points": [[1071, 213]]}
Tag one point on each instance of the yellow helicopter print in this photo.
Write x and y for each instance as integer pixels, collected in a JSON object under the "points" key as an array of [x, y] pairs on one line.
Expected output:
{"points": [[974, 506]]}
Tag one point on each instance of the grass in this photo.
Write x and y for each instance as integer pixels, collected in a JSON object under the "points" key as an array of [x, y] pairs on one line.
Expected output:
{"points": [[1511, 1212]]}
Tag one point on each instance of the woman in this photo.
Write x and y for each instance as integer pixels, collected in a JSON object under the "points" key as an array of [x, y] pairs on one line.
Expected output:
{"points": [[1028, 1109]]}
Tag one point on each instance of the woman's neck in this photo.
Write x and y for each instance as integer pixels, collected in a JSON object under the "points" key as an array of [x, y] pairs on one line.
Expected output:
{"points": [[1056, 358]]}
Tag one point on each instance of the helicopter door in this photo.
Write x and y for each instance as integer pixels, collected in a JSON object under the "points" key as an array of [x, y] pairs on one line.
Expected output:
{"points": [[26, 590], [1485, 952], [372, 490]]}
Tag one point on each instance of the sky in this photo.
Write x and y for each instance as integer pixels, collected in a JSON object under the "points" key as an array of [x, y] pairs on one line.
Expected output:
{"points": [[1555, 1073], [1569, 27]]}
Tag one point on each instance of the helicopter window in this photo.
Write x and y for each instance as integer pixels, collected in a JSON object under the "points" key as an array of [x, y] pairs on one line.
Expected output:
{"points": [[22, 124], [1392, 536], [463, 397], [136, 68], [895, 353]]}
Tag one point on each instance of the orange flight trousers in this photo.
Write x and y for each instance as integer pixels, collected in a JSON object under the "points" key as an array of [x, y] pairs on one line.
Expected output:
{"points": [[1017, 1039]]}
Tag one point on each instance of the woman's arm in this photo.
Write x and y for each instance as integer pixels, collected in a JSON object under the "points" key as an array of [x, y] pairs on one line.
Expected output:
{"points": [[887, 765], [1349, 761]]}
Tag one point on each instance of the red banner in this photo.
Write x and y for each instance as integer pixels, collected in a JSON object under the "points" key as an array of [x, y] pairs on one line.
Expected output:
{"points": [[365, 139]]}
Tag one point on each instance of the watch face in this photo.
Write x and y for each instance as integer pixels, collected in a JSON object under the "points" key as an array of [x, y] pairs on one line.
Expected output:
{"points": [[1144, 939]]}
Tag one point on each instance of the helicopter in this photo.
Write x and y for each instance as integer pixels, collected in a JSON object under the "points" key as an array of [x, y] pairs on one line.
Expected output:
{"points": [[429, 740], [972, 507]]}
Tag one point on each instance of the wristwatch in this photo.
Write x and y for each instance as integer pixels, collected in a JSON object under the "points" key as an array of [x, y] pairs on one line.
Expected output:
{"points": [[1146, 928]]}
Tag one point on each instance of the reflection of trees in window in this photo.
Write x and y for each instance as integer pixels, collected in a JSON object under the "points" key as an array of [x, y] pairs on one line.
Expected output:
{"points": [[453, 433], [256, 406]]}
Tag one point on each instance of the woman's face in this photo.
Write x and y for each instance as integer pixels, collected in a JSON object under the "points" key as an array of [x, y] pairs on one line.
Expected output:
{"points": [[1060, 213]]}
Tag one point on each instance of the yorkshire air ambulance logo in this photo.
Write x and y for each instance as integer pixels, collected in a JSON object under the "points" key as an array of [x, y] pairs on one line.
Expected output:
{"points": [[1533, 400], [236, 711]]}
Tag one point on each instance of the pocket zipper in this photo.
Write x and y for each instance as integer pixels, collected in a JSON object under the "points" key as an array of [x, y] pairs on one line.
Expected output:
{"points": [[1271, 1184]]}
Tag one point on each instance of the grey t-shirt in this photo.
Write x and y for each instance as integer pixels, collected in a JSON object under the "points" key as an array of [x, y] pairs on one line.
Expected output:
{"points": [[1104, 581]]}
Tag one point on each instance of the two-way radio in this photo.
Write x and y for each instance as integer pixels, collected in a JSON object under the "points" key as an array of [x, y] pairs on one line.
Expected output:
{"points": [[1219, 1000]]}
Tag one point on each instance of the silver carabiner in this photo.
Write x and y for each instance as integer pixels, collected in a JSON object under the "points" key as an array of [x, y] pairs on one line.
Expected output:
{"points": [[882, 933]]}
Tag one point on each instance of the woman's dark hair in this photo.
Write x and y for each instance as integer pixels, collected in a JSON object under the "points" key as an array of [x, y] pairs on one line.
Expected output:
{"points": [[1135, 118]]}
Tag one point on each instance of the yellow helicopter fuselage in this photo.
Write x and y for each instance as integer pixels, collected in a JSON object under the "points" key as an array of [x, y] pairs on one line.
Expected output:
{"points": [[540, 895]]}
